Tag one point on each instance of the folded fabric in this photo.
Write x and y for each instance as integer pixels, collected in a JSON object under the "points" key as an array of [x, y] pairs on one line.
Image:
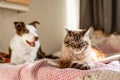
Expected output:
{"points": [[42, 70]]}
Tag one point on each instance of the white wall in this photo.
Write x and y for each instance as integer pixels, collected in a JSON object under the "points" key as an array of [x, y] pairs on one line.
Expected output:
{"points": [[73, 10], [50, 13], [6, 28]]}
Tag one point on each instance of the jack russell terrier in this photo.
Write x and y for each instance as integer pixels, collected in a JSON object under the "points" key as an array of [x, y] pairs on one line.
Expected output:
{"points": [[25, 44]]}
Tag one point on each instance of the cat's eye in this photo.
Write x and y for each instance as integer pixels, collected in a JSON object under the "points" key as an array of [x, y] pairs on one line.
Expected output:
{"points": [[81, 44], [67, 42]]}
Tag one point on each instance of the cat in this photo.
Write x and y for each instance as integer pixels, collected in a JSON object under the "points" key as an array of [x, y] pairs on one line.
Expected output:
{"points": [[78, 51]]}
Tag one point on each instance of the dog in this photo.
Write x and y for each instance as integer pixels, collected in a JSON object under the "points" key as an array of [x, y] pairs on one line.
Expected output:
{"points": [[25, 44]]}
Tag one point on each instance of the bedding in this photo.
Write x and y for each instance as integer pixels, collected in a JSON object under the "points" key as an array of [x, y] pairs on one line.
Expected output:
{"points": [[42, 70], [110, 45]]}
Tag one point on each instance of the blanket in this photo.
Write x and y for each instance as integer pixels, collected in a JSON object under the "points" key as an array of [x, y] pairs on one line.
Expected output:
{"points": [[42, 70]]}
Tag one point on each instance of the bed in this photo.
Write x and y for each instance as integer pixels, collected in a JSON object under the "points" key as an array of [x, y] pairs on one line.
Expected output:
{"points": [[43, 70]]}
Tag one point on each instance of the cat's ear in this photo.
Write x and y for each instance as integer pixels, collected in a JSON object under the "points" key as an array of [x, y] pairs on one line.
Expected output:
{"points": [[68, 31], [89, 32]]}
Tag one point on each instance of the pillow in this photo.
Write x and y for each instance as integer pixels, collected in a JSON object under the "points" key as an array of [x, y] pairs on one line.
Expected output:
{"points": [[110, 44]]}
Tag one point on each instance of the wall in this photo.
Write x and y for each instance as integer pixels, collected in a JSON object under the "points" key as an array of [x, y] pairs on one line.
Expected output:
{"points": [[50, 13], [73, 9], [6, 28]]}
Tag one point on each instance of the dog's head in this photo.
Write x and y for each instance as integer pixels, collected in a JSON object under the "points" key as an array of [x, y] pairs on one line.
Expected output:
{"points": [[28, 32]]}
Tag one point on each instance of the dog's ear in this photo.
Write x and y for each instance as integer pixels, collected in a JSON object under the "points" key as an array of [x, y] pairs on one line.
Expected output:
{"points": [[19, 25], [34, 23]]}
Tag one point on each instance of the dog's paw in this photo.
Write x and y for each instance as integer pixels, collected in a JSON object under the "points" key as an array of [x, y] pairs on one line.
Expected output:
{"points": [[80, 66]]}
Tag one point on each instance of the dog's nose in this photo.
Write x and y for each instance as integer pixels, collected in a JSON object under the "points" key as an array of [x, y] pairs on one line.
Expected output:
{"points": [[36, 38]]}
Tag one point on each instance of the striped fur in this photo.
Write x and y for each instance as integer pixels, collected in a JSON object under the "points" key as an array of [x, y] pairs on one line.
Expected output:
{"points": [[77, 50]]}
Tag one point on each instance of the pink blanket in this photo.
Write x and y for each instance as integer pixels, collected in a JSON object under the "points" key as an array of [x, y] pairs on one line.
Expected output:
{"points": [[41, 70]]}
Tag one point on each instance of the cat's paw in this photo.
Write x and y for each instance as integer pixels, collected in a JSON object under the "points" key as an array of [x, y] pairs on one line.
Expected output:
{"points": [[80, 66]]}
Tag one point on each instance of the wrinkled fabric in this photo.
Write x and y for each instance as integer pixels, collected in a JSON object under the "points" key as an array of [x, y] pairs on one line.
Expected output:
{"points": [[42, 70]]}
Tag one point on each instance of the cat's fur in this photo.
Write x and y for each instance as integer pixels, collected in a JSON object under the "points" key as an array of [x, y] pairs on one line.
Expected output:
{"points": [[77, 50]]}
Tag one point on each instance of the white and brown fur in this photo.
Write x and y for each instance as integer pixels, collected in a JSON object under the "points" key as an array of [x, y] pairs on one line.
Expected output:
{"points": [[25, 45], [78, 51]]}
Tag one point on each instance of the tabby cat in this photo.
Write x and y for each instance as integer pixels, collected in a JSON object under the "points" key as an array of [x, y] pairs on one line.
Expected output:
{"points": [[77, 50]]}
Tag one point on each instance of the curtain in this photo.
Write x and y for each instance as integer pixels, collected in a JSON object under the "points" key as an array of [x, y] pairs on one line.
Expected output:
{"points": [[101, 14]]}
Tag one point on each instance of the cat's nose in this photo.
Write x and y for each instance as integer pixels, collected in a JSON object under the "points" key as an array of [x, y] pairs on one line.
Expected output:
{"points": [[36, 38]]}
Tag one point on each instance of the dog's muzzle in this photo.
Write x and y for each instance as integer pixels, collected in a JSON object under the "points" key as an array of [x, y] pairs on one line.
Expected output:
{"points": [[32, 43]]}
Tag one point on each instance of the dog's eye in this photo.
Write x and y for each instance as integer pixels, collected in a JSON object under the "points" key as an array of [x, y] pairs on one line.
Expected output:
{"points": [[26, 31]]}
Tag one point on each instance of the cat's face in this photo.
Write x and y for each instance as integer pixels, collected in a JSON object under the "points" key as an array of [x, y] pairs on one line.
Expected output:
{"points": [[78, 40]]}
